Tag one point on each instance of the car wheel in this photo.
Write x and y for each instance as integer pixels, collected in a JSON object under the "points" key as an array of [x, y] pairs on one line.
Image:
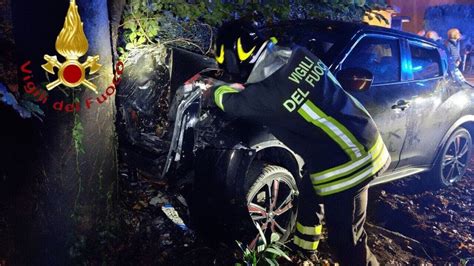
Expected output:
{"points": [[271, 200], [454, 159]]}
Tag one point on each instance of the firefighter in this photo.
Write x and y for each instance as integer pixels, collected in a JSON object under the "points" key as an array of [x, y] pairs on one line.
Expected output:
{"points": [[293, 93]]}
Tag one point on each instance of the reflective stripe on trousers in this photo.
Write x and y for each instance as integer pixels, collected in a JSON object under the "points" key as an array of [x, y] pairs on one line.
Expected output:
{"points": [[307, 237], [353, 173]]}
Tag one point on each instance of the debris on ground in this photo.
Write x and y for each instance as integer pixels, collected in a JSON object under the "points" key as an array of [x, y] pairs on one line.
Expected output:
{"points": [[441, 222], [406, 224]]}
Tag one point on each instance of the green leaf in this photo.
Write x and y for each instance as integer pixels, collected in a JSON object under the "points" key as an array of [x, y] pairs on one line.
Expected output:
{"points": [[276, 250], [152, 30], [78, 134], [154, 7], [254, 258], [141, 40], [135, 4], [271, 262], [262, 235], [129, 46], [274, 237], [241, 246], [130, 25], [132, 36]]}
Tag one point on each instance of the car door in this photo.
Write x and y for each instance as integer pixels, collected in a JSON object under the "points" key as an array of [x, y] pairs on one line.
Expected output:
{"points": [[380, 54], [426, 87]]}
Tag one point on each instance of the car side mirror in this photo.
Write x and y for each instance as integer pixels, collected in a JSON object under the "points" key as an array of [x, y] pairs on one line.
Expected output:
{"points": [[355, 79]]}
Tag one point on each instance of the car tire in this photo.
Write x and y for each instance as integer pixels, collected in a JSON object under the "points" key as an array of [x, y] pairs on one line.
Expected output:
{"points": [[271, 199], [453, 160]]}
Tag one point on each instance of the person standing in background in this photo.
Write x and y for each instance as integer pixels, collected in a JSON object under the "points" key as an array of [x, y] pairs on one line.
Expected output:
{"points": [[433, 35], [453, 47], [454, 55]]}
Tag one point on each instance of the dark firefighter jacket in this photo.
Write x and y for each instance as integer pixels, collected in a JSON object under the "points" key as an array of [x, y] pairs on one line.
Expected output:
{"points": [[305, 107]]}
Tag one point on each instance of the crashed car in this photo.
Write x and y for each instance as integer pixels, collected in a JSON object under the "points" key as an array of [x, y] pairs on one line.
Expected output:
{"points": [[239, 170]]}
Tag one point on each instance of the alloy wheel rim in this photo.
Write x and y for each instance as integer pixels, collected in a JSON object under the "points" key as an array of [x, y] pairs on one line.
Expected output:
{"points": [[455, 159], [272, 209]]}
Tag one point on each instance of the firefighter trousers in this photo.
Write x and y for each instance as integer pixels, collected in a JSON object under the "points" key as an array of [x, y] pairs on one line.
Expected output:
{"points": [[345, 214]]}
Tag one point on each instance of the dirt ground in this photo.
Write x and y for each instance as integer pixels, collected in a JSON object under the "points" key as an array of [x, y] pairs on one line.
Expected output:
{"points": [[407, 224]]}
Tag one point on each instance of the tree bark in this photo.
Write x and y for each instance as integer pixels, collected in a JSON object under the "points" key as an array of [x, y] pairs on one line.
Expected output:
{"points": [[115, 13], [67, 198]]}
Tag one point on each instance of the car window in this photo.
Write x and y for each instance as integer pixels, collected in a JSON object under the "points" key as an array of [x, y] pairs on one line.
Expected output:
{"points": [[381, 56], [319, 45], [322, 40], [426, 62]]}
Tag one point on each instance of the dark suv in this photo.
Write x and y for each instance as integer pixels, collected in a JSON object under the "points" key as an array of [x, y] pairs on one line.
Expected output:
{"points": [[425, 117]]}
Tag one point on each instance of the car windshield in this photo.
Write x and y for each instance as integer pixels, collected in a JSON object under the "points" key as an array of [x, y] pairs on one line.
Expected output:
{"points": [[325, 41]]}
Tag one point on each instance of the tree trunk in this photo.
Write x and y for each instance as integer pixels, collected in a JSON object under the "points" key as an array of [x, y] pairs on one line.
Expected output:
{"points": [[67, 197]]}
